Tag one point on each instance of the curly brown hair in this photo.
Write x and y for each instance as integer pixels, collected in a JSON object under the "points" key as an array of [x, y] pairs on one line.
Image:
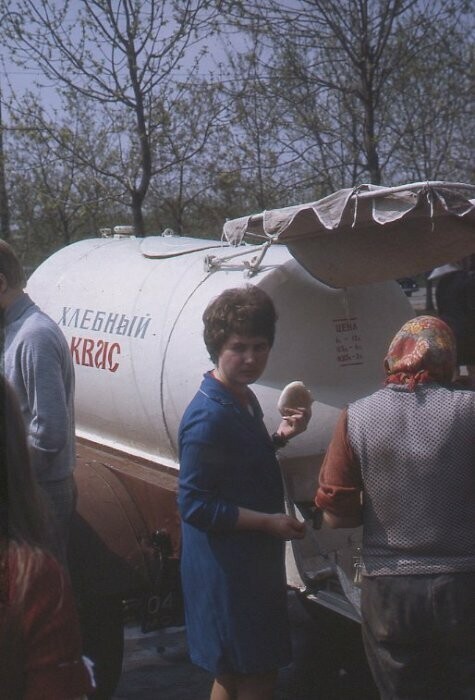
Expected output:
{"points": [[247, 311]]}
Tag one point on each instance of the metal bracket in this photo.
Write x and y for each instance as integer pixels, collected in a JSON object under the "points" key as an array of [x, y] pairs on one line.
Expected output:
{"points": [[250, 267]]}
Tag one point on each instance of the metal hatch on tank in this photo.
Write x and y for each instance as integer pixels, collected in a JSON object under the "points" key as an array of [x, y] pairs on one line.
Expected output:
{"points": [[131, 311]]}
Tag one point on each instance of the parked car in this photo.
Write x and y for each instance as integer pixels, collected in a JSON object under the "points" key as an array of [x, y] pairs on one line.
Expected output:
{"points": [[409, 285]]}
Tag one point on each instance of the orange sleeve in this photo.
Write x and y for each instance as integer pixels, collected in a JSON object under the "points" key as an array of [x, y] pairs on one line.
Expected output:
{"points": [[340, 484]]}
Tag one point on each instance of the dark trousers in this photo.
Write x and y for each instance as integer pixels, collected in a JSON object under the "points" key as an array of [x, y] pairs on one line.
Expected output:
{"points": [[60, 497], [419, 635]]}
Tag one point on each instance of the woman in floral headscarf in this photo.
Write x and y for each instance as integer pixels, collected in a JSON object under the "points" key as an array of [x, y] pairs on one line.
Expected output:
{"points": [[401, 462], [422, 352]]}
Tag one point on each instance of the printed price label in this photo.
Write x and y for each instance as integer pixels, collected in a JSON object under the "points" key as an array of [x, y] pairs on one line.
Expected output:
{"points": [[348, 343]]}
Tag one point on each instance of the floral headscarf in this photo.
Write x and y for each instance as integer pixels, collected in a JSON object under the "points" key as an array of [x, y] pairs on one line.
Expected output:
{"points": [[422, 351]]}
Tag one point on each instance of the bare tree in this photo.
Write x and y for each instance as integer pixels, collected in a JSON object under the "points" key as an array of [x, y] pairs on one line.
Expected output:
{"points": [[4, 204], [121, 56], [186, 156], [56, 190], [339, 67], [432, 127], [258, 150]]}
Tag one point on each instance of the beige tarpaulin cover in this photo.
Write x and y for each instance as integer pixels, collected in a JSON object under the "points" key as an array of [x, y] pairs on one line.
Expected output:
{"points": [[370, 233]]}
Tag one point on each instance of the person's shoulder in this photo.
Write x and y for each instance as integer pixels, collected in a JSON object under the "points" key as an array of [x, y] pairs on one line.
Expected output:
{"points": [[465, 395], [456, 397], [46, 565], [36, 316], [51, 566], [44, 572], [206, 413], [369, 399], [39, 327], [464, 383], [211, 395], [202, 406], [461, 387], [196, 406]]}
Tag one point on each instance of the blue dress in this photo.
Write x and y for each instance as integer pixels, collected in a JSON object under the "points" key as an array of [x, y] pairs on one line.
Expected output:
{"points": [[233, 581]]}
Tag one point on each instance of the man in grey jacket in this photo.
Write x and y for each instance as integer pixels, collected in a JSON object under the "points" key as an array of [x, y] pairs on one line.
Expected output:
{"points": [[35, 359]]}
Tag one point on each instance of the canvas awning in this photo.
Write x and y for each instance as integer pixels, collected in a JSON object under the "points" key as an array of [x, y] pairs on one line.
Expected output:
{"points": [[371, 233]]}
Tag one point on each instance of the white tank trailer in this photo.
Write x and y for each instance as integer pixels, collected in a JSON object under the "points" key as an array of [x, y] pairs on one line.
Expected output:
{"points": [[131, 310]]}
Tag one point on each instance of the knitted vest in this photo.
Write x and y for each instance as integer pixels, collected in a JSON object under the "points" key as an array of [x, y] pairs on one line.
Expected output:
{"points": [[417, 455]]}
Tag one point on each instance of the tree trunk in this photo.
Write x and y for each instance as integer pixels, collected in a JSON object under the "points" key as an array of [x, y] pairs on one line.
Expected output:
{"points": [[4, 209], [137, 214]]}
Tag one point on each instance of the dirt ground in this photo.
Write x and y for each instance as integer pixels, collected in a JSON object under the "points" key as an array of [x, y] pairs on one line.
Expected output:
{"points": [[328, 663], [156, 665]]}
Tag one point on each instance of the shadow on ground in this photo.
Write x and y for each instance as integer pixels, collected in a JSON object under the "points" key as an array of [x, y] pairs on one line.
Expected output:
{"points": [[328, 662]]}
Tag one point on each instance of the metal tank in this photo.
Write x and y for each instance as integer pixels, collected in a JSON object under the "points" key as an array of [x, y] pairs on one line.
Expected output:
{"points": [[131, 311]]}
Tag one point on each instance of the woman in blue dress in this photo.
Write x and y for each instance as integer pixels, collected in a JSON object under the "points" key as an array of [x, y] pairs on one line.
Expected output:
{"points": [[232, 507]]}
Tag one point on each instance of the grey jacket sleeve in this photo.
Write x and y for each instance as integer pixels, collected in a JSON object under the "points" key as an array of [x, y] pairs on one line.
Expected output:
{"points": [[45, 368]]}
